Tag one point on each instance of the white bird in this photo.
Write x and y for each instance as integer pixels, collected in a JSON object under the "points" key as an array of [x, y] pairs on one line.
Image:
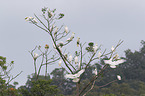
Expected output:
{"points": [[34, 21], [66, 29], [28, 18], [69, 39], [112, 49], [76, 76], [59, 62], [35, 56], [70, 58], [72, 36], [56, 30], [78, 42], [79, 66], [118, 77], [50, 13], [76, 80], [112, 63], [76, 59], [31, 20], [95, 48], [99, 54], [95, 71]]}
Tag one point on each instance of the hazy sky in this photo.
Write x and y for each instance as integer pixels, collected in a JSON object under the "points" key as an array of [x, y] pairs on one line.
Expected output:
{"points": [[101, 21]]}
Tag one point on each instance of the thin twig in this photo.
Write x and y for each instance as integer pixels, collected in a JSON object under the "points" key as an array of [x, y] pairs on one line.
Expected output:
{"points": [[14, 77], [90, 88]]}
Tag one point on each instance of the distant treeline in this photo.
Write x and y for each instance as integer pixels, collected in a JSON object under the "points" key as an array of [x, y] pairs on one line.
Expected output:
{"points": [[132, 83]]}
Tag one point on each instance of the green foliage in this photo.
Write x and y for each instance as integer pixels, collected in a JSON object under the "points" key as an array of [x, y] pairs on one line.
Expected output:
{"points": [[132, 69], [3, 63], [135, 64], [5, 88], [132, 72], [39, 87], [43, 88], [2, 60], [109, 95], [61, 15], [66, 86], [90, 47], [132, 83], [15, 83]]}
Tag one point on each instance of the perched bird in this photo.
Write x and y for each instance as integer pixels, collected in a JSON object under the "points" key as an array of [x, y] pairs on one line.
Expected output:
{"points": [[99, 54], [95, 48], [72, 36], [59, 62], [95, 71], [76, 59], [118, 77], [31, 20], [66, 29], [112, 49], [56, 30], [70, 58], [35, 56], [78, 42]]}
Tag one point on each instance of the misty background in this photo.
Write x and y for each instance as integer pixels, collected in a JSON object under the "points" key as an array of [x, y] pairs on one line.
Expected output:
{"points": [[102, 21]]}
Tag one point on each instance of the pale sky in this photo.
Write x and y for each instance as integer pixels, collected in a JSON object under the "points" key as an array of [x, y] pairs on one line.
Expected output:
{"points": [[101, 21]]}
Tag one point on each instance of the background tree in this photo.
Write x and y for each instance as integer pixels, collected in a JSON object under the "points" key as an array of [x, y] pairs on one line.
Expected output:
{"points": [[6, 88], [58, 79], [107, 84], [40, 87]]}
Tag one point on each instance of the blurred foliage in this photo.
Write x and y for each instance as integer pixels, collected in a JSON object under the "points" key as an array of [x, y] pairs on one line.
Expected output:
{"points": [[40, 87], [132, 73], [7, 89], [132, 83]]}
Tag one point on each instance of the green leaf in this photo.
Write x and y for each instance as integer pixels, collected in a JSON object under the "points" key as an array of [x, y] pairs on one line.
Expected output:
{"points": [[54, 10], [91, 44], [12, 62], [4, 67], [61, 15]]}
